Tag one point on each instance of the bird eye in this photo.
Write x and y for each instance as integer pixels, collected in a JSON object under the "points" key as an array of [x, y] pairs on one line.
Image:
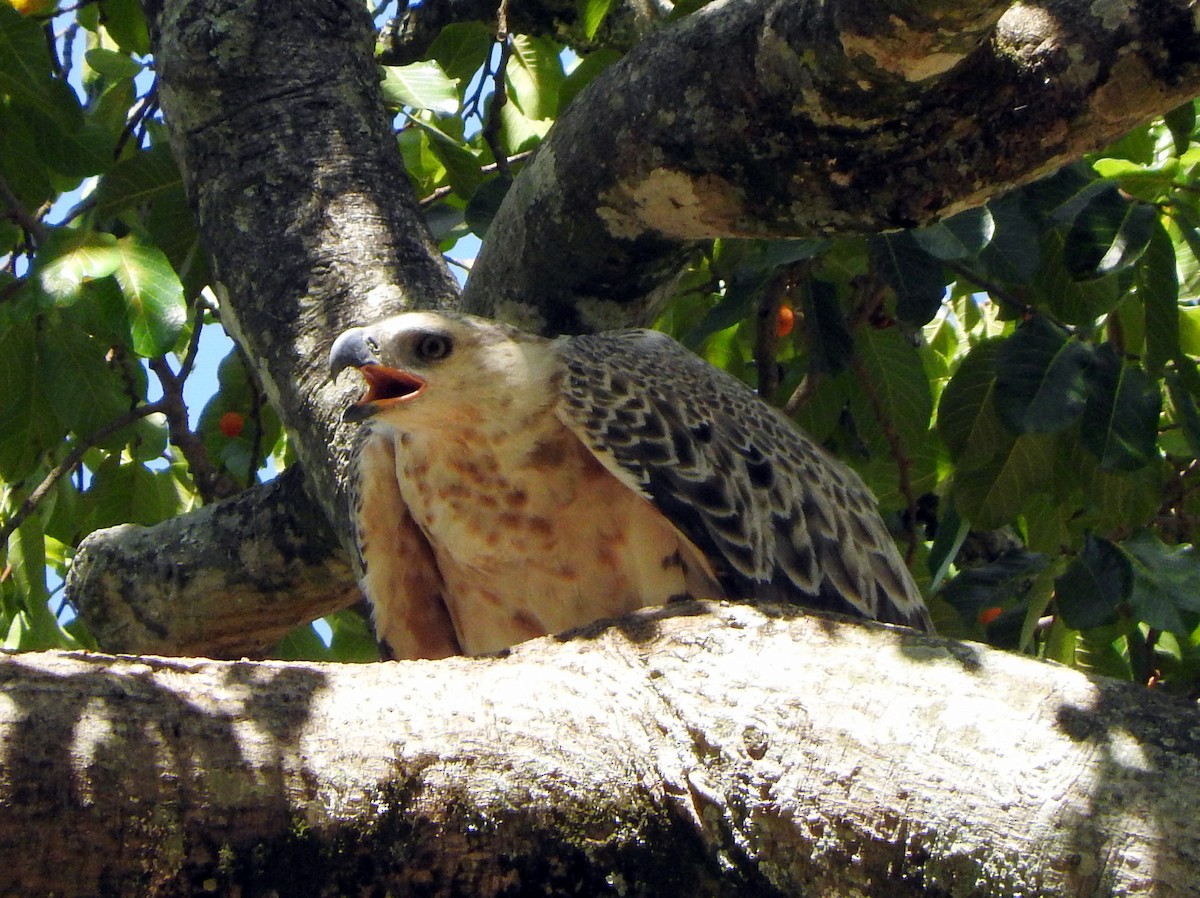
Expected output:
{"points": [[372, 344], [433, 347]]}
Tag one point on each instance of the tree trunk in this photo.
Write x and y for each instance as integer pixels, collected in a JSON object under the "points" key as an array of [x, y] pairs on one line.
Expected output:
{"points": [[688, 750]]}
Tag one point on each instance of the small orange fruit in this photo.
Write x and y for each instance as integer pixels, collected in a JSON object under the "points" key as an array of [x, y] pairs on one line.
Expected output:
{"points": [[785, 322], [231, 424]]}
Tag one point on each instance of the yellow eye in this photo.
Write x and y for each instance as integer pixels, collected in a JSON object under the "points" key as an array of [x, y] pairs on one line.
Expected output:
{"points": [[433, 347]]}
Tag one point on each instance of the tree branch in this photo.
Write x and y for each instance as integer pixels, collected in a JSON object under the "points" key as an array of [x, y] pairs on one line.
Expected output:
{"points": [[234, 579], [672, 753], [821, 118]]}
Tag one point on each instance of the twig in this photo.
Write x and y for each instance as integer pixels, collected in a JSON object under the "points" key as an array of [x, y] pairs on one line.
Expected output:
{"points": [[442, 192], [146, 106], [68, 464], [211, 484], [491, 127], [20, 214]]}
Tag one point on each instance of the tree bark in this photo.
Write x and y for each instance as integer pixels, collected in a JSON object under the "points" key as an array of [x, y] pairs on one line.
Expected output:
{"points": [[800, 119], [688, 750], [752, 118]]}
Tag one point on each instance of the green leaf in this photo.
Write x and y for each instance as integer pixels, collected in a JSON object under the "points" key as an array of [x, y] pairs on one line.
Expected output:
{"points": [[70, 258], [420, 85], [1040, 386], [594, 14], [132, 493], [830, 342], [520, 132], [26, 74], [461, 49], [26, 430], [962, 236], [112, 64], [126, 24], [1157, 285], [1108, 235], [1120, 419], [1002, 582], [1094, 584], [534, 76], [967, 420], [136, 181], [1073, 301], [1181, 121], [353, 639], [1183, 386], [898, 382], [83, 391], [1166, 582], [992, 491], [915, 275], [157, 312], [1014, 252]]}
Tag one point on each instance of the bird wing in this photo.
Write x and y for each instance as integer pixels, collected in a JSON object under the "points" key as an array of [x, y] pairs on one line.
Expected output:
{"points": [[778, 517], [395, 564]]}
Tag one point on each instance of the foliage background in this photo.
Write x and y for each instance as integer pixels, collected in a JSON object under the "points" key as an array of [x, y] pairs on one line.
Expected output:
{"points": [[1018, 384]]}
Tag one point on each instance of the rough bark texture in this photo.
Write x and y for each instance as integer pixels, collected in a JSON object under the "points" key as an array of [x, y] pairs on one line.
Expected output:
{"points": [[677, 753], [277, 123], [239, 575], [768, 119], [754, 117]]}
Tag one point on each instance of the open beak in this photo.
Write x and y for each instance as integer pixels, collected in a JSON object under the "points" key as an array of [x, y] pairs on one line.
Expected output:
{"points": [[386, 386]]}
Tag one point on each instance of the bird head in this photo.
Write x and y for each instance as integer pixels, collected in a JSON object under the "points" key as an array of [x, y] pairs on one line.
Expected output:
{"points": [[421, 365]]}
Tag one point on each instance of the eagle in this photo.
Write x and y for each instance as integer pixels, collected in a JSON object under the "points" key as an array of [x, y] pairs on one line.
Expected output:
{"points": [[506, 486]]}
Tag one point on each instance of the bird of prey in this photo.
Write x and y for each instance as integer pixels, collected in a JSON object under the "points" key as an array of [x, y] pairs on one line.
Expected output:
{"points": [[507, 486]]}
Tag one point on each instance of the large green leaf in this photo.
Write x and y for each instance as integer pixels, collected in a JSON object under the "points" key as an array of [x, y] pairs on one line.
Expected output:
{"points": [[534, 76], [26, 75], [1071, 300], [898, 382], [461, 48], [962, 236], [157, 312], [1157, 285], [420, 85], [26, 427], [1014, 252], [1098, 579], [70, 258], [1108, 234], [830, 343], [967, 421], [1040, 386], [83, 391], [915, 275], [136, 181], [992, 491], [1120, 419], [1166, 583], [126, 24]]}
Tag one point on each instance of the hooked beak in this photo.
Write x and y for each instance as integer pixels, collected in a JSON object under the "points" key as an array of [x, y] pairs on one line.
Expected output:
{"points": [[386, 386]]}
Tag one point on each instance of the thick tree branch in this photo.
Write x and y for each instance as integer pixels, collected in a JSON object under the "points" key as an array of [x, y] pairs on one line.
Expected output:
{"points": [[746, 751], [820, 118], [235, 577]]}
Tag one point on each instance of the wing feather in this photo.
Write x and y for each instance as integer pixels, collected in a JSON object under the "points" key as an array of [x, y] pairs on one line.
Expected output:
{"points": [[776, 515]]}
